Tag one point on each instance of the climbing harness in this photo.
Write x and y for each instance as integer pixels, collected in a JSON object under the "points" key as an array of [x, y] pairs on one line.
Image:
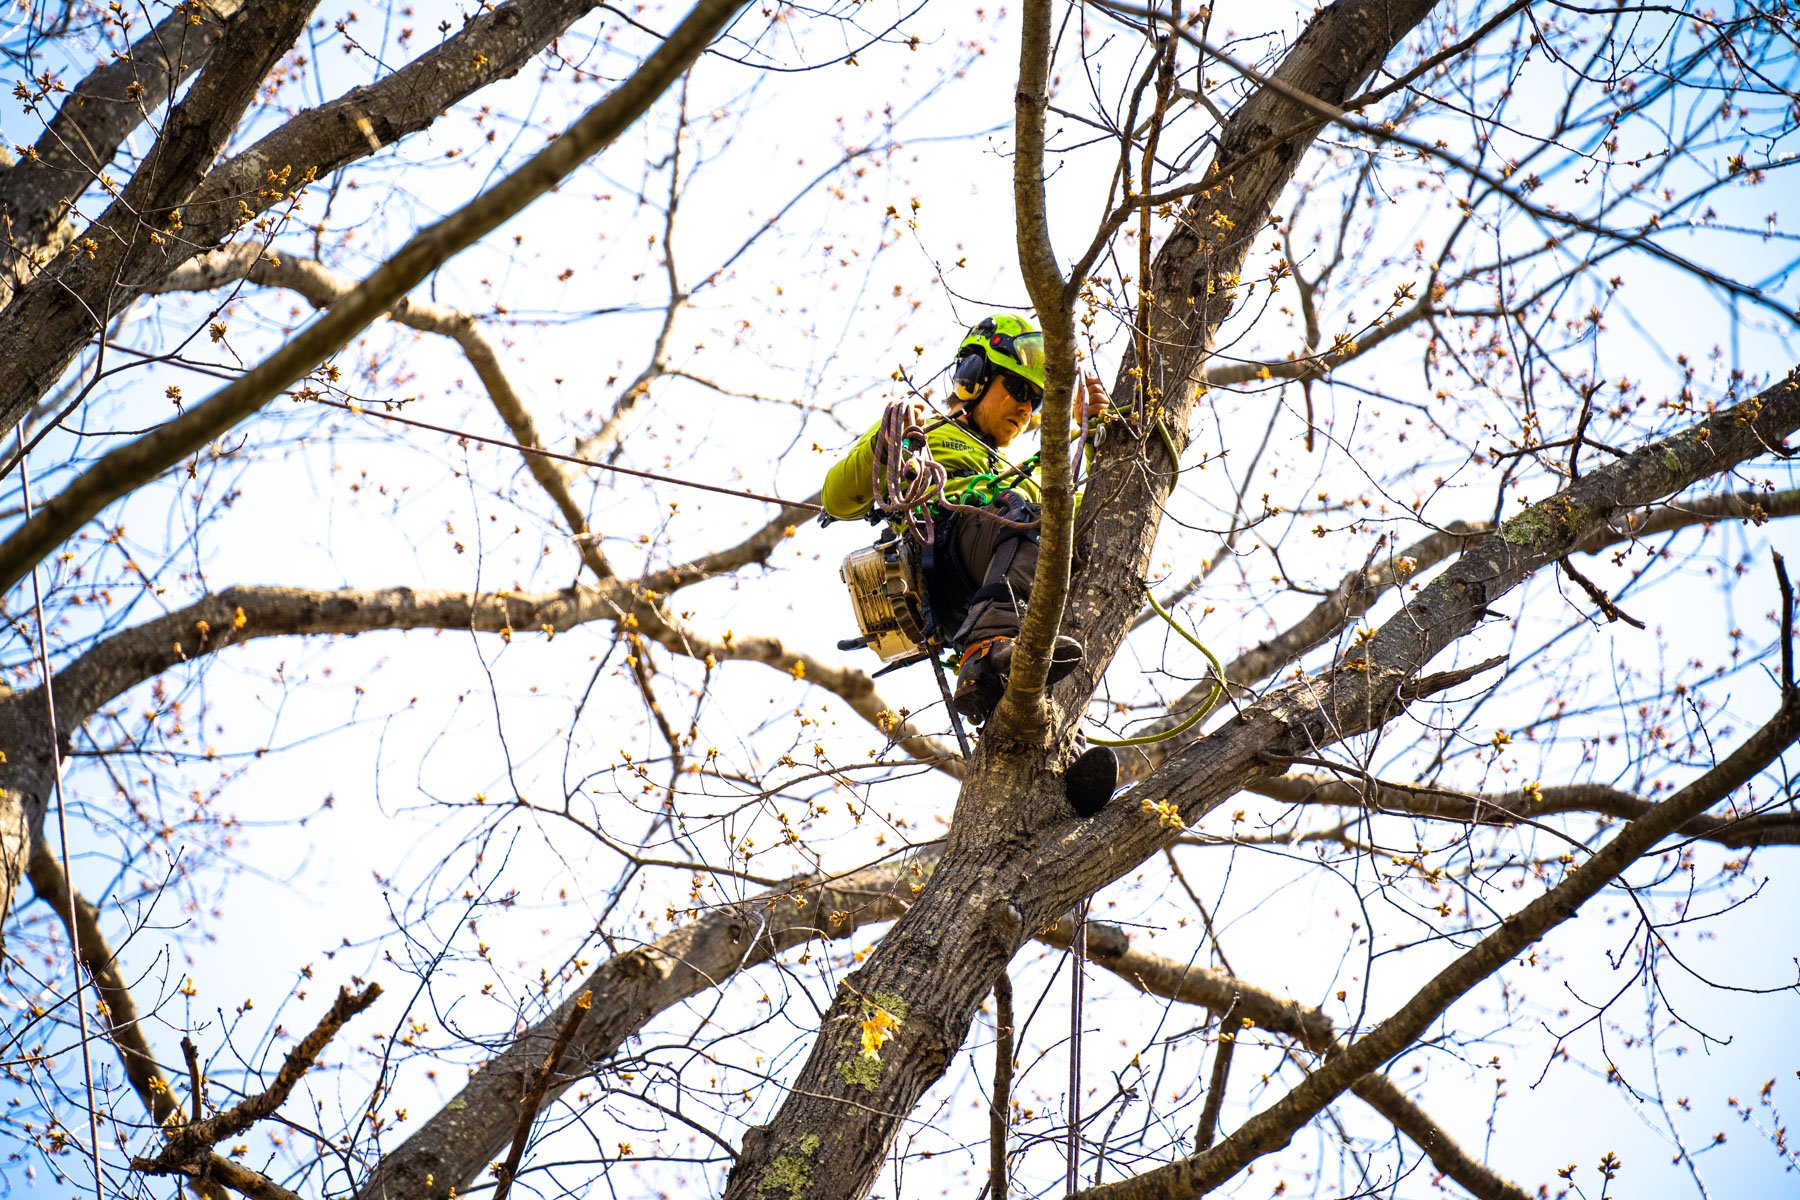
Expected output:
{"points": [[886, 580]]}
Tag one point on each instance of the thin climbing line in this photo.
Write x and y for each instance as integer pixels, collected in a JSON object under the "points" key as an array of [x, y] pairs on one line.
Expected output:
{"points": [[363, 410], [62, 831]]}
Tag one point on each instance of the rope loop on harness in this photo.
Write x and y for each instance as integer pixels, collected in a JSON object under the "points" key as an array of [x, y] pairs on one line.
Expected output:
{"points": [[908, 483]]}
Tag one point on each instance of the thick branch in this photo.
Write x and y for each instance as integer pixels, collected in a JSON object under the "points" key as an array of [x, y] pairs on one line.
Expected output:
{"points": [[129, 466], [88, 129], [240, 614], [1192, 290], [1510, 808]]}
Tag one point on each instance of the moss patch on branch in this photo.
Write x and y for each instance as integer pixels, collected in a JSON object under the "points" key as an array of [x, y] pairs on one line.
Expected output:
{"points": [[789, 1175], [859, 1071]]}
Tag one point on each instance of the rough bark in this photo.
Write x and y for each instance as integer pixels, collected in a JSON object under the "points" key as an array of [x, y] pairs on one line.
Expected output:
{"points": [[88, 129], [129, 239]]}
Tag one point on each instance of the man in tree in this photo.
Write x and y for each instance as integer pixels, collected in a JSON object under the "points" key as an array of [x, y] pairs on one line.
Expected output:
{"points": [[979, 566]]}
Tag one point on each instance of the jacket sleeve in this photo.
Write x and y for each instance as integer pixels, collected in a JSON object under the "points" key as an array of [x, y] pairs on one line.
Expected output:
{"points": [[849, 491]]}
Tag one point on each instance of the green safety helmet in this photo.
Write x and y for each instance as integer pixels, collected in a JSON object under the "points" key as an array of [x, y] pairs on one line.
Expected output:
{"points": [[1001, 342]]}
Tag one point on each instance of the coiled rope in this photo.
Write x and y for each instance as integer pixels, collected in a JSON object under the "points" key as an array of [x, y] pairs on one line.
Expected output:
{"points": [[1193, 718], [908, 483]]}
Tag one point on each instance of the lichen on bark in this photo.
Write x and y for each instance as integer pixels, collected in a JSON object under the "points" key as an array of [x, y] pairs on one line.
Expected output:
{"points": [[860, 1071], [789, 1175]]}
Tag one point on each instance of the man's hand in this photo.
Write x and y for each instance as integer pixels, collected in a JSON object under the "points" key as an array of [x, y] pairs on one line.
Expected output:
{"points": [[1094, 399]]}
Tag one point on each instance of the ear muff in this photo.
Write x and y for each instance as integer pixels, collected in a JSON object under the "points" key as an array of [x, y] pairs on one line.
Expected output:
{"points": [[971, 376]]}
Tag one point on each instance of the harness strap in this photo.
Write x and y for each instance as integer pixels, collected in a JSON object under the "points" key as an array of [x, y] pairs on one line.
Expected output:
{"points": [[980, 649]]}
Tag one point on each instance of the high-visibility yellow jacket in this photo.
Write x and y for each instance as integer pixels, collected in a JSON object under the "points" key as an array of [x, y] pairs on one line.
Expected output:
{"points": [[849, 491]]}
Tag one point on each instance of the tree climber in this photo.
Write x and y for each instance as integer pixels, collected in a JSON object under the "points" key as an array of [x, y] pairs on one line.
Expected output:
{"points": [[979, 569]]}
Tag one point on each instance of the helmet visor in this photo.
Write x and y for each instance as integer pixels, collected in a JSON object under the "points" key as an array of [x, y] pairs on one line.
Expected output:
{"points": [[1028, 349]]}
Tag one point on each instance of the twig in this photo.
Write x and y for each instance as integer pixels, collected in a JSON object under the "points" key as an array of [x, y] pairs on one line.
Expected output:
{"points": [[196, 1081], [1001, 1109], [529, 1104], [1787, 623], [1215, 1086], [191, 1143], [1612, 611]]}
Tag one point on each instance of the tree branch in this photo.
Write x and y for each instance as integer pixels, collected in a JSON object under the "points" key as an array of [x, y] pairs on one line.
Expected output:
{"points": [[1023, 857], [1227, 995], [1021, 712], [88, 129], [128, 239], [120, 1010], [186, 1143], [1360, 589], [1313, 365], [1271, 1129], [1508, 808], [127, 467], [458, 1142], [47, 323], [322, 288]]}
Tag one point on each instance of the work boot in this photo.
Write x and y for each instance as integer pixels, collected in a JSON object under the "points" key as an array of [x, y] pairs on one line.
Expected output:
{"points": [[1091, 780], [981, 677]]}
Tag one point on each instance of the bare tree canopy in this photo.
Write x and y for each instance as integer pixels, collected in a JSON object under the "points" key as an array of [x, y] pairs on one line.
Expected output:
{"points": [[1426, 558]]}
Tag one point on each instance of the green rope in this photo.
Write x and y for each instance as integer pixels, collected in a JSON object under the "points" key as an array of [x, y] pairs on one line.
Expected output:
{"points": [[1193, 718], [1175, 465]]}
